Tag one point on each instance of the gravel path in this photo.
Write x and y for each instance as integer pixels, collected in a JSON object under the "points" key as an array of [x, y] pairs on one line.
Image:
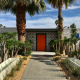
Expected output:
{"points": [[42, 67]]}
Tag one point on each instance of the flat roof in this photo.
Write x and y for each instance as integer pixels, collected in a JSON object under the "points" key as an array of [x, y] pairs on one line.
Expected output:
{"points": [[41, 30]]}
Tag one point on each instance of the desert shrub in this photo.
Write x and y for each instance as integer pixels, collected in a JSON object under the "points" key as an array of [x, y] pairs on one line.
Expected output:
{"points": [[74, 72], [57, 52], [57, 58], [19, 64], [6, 78], [74, 53], [25, 58], [12, 72]]}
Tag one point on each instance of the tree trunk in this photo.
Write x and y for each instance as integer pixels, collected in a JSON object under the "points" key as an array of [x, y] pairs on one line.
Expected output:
{"points": [[68, 48], [7, 54], [4, 52], [59, 44], [25, 49], [20, 20], [72, 46], [75, 47], [12, 52], [60, 23], [16, 52], [70, 52], [64, 50]]}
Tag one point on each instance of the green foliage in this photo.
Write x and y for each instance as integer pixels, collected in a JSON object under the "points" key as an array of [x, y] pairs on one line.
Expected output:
{"points": [[6, 78], [55, 3], [56, 41], [59, 33], [19, 64], [56, 22], [25, 58], [12, 72], [51, 43], [73, 30], [74, 72], [56, 51], [32, 6], [74, 53], [27, 53], [57, 58]]}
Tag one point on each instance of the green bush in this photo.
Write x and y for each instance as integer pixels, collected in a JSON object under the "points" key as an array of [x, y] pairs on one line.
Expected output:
{"points": [[6, 78], [24, 58], [74, 53], [19, 64], [57, 58], [57, 52], [74, 72], [51, 43], [12, 72]]}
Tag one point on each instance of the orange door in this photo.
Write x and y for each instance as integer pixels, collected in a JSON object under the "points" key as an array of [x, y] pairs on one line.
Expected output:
{"points": [[40, 42]]}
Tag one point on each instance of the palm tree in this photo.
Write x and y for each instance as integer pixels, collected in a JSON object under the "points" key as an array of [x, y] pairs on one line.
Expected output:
{"points": [[59, 4], [19, 8]]}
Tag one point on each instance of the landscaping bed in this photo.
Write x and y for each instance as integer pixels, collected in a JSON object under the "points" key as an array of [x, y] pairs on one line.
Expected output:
{"points": [[17, 72], [63, 68]]}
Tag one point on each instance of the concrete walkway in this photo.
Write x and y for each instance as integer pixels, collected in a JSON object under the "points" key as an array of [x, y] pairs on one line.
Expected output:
{"points": [[42, 67]]}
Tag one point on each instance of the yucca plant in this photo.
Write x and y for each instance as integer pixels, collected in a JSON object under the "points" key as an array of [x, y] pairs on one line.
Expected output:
{"points": [[56, 41]]}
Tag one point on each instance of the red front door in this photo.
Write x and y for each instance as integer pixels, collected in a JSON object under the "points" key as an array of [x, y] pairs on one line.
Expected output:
{"points": [[40, 42]]}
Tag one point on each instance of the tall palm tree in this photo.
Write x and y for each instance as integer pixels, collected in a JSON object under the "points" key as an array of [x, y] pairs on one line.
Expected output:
{"points": [[59, 5], [19, 8]]}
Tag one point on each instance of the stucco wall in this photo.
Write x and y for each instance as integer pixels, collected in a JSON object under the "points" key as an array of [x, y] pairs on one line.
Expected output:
{"points": [[49, 36]]}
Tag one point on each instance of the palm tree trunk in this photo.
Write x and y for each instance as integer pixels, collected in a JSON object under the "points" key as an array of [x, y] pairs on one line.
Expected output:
{"points": [[21, 21], [60, 24]]}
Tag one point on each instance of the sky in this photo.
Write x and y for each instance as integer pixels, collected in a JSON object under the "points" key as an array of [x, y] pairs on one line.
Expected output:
{"points": [[47, 19]]}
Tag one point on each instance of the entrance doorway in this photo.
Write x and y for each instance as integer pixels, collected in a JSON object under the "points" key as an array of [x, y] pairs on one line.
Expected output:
{"points": [[41, 39]]}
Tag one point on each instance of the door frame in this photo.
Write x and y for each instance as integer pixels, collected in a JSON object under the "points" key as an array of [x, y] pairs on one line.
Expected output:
{"points": [[36, 39]]}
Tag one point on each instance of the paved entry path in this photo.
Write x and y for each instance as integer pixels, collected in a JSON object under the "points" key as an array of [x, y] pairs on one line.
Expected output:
{"points": [[42, 67]]}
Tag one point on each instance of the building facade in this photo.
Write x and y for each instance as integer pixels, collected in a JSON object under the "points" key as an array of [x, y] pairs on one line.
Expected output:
{"points": [[41, 37]]}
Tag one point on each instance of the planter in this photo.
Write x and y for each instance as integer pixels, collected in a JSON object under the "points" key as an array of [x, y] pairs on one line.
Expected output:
{"points": [[7, 66], [74, 63]]}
